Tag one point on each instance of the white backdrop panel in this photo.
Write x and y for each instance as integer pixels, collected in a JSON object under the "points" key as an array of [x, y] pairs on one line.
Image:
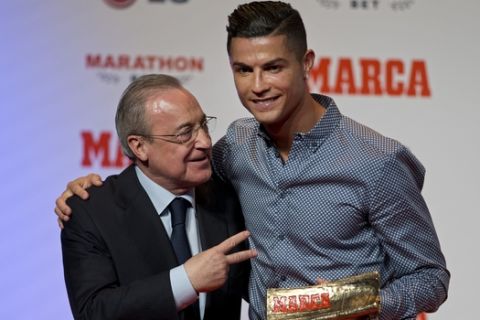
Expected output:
{"points": [[50, 94]]}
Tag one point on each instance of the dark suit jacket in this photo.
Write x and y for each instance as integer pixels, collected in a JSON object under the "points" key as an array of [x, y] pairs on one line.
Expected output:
{"points": [[117, 255]]}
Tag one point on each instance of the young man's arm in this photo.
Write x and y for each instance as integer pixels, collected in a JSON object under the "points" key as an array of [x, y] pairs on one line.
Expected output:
{"points": [[403, 224]]}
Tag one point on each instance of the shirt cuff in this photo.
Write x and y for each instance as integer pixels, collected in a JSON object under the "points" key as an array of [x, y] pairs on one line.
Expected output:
{"points": [[183, 291]]}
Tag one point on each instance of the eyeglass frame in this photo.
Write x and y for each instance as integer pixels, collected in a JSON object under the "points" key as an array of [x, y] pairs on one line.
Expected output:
{"points": [[208, 125]]}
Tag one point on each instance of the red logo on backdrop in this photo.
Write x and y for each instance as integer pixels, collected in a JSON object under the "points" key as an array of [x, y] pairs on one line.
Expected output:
{"points": [[422, 316], [111, 67], [119, 3], [370, 77], [100, 149], [144, 62]]}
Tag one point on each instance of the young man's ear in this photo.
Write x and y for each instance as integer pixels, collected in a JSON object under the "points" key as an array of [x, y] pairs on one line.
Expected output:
{"points": [[308, 61], [139, 147]]}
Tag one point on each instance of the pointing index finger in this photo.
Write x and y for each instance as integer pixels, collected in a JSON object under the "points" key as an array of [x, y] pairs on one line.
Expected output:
{"points": [[231, 242]]}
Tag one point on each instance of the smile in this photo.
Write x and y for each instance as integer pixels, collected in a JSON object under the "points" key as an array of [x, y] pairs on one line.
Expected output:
{"points": [[265, 100], [265, 103], [199, 159]]}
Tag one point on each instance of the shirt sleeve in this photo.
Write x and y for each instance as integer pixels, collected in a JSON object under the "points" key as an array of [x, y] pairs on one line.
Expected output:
{"points": [[403, 224], [182, 289]]}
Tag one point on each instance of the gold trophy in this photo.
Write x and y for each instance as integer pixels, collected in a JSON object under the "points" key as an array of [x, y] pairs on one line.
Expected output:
{"points": [[354, 297]]}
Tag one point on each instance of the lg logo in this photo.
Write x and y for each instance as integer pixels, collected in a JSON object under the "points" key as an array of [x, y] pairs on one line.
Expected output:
{"points": [[120, 4], [174, 1]]}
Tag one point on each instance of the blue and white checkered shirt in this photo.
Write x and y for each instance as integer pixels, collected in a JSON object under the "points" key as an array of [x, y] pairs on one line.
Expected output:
{"points": [[347, 201]]}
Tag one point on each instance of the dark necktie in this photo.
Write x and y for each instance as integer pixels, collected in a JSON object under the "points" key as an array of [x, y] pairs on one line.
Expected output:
{"points": [[179, 240], [178, 210]]}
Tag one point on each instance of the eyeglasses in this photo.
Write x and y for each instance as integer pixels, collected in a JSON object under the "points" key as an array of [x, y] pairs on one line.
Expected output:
{"points": [[187, 134]]}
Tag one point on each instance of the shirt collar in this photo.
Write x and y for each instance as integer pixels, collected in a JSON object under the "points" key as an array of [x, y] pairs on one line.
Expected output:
{"points": [[322, 129], [160, 196]]}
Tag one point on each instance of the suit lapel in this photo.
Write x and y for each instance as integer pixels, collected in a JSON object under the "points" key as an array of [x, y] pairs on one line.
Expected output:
{"points": [[147, 232], [211, 222], [211, 225], [143, 223]]}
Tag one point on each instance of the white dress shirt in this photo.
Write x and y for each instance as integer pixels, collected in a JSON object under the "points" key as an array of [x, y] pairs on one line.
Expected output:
{"points": [[183, 292]]}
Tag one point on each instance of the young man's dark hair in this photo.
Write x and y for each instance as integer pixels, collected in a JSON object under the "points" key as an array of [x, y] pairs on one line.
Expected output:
{"points": [[268, 18]]}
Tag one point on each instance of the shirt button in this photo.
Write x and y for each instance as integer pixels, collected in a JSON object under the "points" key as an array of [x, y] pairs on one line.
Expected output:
{"points": [[283, 278], [298, 136], [282, 195], [281, 237]]}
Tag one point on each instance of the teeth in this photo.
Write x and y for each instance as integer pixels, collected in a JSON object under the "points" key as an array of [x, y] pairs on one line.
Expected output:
{"points": [[264, 100]]}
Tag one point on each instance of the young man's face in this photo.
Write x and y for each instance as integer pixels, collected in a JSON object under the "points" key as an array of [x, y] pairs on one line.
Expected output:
{"points": [[269, 78]]}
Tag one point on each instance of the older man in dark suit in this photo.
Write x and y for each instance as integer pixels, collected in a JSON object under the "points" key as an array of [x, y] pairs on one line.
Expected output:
{"points": [[128, 249]]}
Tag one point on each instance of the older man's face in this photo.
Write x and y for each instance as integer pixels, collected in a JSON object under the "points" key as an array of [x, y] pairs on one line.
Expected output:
{"points": [[177, 167]]}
